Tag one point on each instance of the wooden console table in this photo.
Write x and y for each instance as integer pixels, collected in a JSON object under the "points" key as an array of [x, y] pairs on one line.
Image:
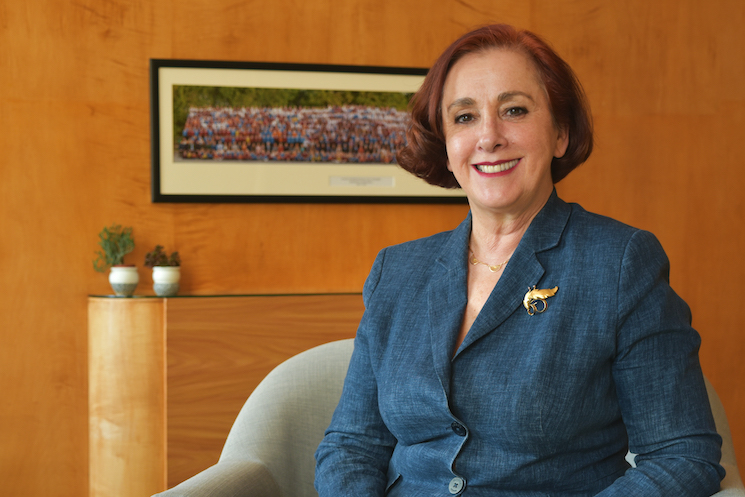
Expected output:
{"points": [[168, 376]]}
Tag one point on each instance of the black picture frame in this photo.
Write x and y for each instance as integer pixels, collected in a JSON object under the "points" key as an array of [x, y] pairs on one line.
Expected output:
{"points": [[189, 170]]}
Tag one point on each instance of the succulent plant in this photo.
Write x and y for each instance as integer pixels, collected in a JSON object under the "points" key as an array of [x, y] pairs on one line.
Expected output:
{"points": [[157, 257]]}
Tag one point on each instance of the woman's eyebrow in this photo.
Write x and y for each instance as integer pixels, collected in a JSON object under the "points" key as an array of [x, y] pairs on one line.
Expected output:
{"points": [[509, 95], [503, 97], [461, 102]]}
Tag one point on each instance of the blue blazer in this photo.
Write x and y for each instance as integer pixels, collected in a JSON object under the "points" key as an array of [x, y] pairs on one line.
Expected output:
{"points": [[530, 405]]}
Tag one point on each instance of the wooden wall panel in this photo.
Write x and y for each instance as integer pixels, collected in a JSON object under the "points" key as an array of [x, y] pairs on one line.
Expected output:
{"points": [[219, 350], [665, 80]]}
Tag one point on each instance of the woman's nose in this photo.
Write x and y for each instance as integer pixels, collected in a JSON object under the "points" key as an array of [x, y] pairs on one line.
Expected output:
{"points": [[491, 135]]}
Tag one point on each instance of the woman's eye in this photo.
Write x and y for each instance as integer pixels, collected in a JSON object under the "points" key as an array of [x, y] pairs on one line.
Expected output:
{"points": [[463, 118], [516, 111]]}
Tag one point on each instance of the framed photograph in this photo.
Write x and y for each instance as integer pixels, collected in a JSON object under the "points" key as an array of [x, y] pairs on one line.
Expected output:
{"points": [[264, 132]]}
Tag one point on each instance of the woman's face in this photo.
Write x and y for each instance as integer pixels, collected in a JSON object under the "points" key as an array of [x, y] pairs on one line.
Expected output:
{"points": [[499, 132]]}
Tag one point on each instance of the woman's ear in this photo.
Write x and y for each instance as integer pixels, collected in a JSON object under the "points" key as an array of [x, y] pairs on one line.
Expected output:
{"points": [[562, 143]]}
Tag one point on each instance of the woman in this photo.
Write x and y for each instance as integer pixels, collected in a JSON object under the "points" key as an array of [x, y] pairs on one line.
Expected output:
{"points": [[462, 380]]}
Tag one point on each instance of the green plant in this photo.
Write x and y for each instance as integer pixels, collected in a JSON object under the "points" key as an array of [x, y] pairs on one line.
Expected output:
{"points": [[115, 242], [158, 257]]}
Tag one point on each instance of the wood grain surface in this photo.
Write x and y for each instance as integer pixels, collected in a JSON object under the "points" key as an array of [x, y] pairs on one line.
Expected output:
{"points": [[126, 397]]}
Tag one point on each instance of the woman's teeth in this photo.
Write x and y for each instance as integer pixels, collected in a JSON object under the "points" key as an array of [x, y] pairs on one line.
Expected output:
{"points": [[497, 168]]}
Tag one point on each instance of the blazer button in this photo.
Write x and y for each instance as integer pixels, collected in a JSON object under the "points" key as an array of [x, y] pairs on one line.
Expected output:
{"points": [[459, 429], [457, 485]]}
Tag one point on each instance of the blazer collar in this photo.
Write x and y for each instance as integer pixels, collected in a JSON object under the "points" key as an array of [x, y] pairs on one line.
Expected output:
{"points": [[447, 293]]}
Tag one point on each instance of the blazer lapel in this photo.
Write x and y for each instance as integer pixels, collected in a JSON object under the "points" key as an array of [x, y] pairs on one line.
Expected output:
{"points": [[523, 270], [446, 300]]}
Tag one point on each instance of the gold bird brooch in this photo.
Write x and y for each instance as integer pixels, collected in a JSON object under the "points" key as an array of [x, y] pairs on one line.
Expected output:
{"points": [[535, 300]]}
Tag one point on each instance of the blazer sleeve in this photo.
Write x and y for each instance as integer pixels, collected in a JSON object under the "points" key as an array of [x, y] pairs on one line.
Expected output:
{"points": [[353, 457], [660, 385]]}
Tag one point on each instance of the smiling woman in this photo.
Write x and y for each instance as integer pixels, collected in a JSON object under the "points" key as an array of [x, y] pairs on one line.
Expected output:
{"points": [[499, 133], [426, 156], [461, 380]]}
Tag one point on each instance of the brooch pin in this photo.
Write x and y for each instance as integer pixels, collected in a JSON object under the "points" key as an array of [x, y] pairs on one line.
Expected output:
{"points": [[535, 300]]}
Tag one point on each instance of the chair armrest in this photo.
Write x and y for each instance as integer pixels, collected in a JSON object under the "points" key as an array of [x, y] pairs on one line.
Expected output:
{"points": [[730, 492], [228, 479], [732, 484]]}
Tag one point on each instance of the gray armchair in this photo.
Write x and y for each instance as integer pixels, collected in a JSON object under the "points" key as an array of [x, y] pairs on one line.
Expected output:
{"points": [[269, 451]]}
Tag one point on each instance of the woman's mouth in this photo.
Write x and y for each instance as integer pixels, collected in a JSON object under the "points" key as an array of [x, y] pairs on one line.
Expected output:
{"points": [[491, 168]]}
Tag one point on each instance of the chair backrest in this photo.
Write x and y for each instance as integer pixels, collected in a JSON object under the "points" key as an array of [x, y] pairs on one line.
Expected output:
{"points": [[284, 419]]}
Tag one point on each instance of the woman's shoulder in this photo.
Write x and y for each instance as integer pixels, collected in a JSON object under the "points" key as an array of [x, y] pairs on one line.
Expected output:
{"points": [[426, 245], [604, 234], [431, 246], [590, 223], [581, 217], [413, 263]]}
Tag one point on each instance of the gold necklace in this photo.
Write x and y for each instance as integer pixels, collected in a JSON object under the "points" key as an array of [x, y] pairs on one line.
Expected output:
{"points": [[493, 268]]}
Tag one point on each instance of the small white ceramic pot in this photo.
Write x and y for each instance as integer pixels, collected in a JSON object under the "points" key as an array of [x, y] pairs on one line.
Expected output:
{"points": [[166, 280], [124, 280]]}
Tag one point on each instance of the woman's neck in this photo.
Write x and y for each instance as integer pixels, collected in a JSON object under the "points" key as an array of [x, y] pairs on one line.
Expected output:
{"points": [[497, 235]]}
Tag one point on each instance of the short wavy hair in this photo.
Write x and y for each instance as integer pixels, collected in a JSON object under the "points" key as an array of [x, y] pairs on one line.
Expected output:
{"points": [[425, 154]]}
